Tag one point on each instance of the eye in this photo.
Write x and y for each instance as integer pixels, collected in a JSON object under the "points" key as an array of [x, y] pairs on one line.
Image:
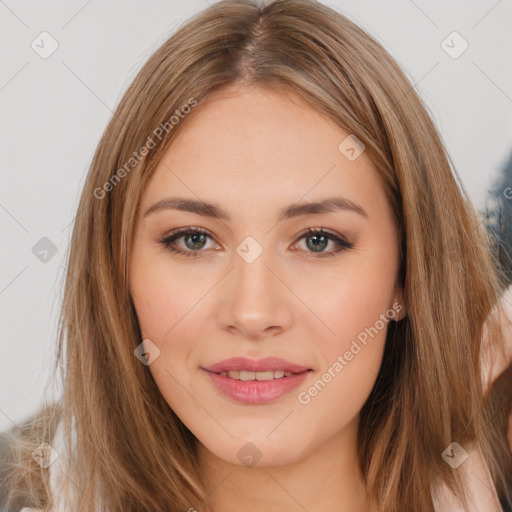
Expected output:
{"points": [[195, 239], [318, 239]]}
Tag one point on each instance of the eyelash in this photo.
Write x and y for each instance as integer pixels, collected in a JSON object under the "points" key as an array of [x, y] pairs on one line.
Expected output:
{"points": [[342, 244]]}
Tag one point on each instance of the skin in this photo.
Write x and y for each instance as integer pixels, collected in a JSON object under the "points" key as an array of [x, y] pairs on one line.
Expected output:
{"points": [[253, 152]]}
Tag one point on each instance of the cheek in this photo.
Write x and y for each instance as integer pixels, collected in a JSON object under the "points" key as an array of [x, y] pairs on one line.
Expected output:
{"points": [[351, 358], [163, 296], [350, 364], [155, 302], [166, 303], [348, 304], [355, 309]]}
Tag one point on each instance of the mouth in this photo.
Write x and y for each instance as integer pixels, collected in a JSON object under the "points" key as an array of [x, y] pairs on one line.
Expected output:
{"points": [[256, 382]]}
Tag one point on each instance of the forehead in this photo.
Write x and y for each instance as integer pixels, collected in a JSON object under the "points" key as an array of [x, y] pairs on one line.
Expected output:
{"points": [[261, 146], [251, 125]]}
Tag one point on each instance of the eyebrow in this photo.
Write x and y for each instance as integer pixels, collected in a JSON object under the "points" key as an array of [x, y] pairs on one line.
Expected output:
{"points": [[206, 209]]}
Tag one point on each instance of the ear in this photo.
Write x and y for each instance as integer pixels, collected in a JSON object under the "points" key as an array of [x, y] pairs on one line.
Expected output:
{"points": [[398, 304]]}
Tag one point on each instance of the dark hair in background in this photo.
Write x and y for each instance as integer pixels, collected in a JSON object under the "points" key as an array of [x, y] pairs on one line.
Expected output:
{"points": [[498, 216], [498, 221]]}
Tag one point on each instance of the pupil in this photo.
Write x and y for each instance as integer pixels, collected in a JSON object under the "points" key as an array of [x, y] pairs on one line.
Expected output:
{"points": [[316, 243], [197, 238]]}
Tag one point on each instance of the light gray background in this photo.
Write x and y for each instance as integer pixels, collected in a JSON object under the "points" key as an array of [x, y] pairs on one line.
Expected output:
{"points": [[54, 110]]}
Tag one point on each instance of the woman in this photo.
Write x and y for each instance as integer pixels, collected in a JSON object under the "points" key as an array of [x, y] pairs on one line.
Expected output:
{"points": [[275, 286]]}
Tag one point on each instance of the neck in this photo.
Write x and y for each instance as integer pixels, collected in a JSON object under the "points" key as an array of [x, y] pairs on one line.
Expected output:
{"points": [[326, 477]]}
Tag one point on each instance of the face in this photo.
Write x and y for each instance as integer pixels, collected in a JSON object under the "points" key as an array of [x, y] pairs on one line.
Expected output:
{"points": [[244, 278]]}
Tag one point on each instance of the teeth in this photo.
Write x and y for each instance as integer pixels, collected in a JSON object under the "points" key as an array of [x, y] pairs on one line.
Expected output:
{"points": [[245, 375]]}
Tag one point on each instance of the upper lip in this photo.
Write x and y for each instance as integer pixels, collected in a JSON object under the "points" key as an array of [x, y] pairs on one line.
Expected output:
{"points": [[262, 365]]}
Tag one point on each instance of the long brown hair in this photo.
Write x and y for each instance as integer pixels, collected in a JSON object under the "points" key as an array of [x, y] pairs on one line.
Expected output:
{"points": [[131, 452]]}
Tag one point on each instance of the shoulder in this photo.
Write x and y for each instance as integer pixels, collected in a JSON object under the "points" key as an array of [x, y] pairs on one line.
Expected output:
{"points": [[17, 446], [479, 489]]}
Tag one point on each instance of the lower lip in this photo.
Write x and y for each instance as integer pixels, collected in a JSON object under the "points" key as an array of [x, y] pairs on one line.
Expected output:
{"points": [[257, 391]]}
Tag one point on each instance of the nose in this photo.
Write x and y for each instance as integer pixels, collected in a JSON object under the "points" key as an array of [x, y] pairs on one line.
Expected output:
{"points": [[255, 301]]}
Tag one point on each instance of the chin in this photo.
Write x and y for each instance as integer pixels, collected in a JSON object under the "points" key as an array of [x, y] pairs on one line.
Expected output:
{"points": [[256, 452]]}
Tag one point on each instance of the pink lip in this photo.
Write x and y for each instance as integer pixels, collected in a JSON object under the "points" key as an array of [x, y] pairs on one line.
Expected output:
{"points": [[254, 391], [263, 365]]}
